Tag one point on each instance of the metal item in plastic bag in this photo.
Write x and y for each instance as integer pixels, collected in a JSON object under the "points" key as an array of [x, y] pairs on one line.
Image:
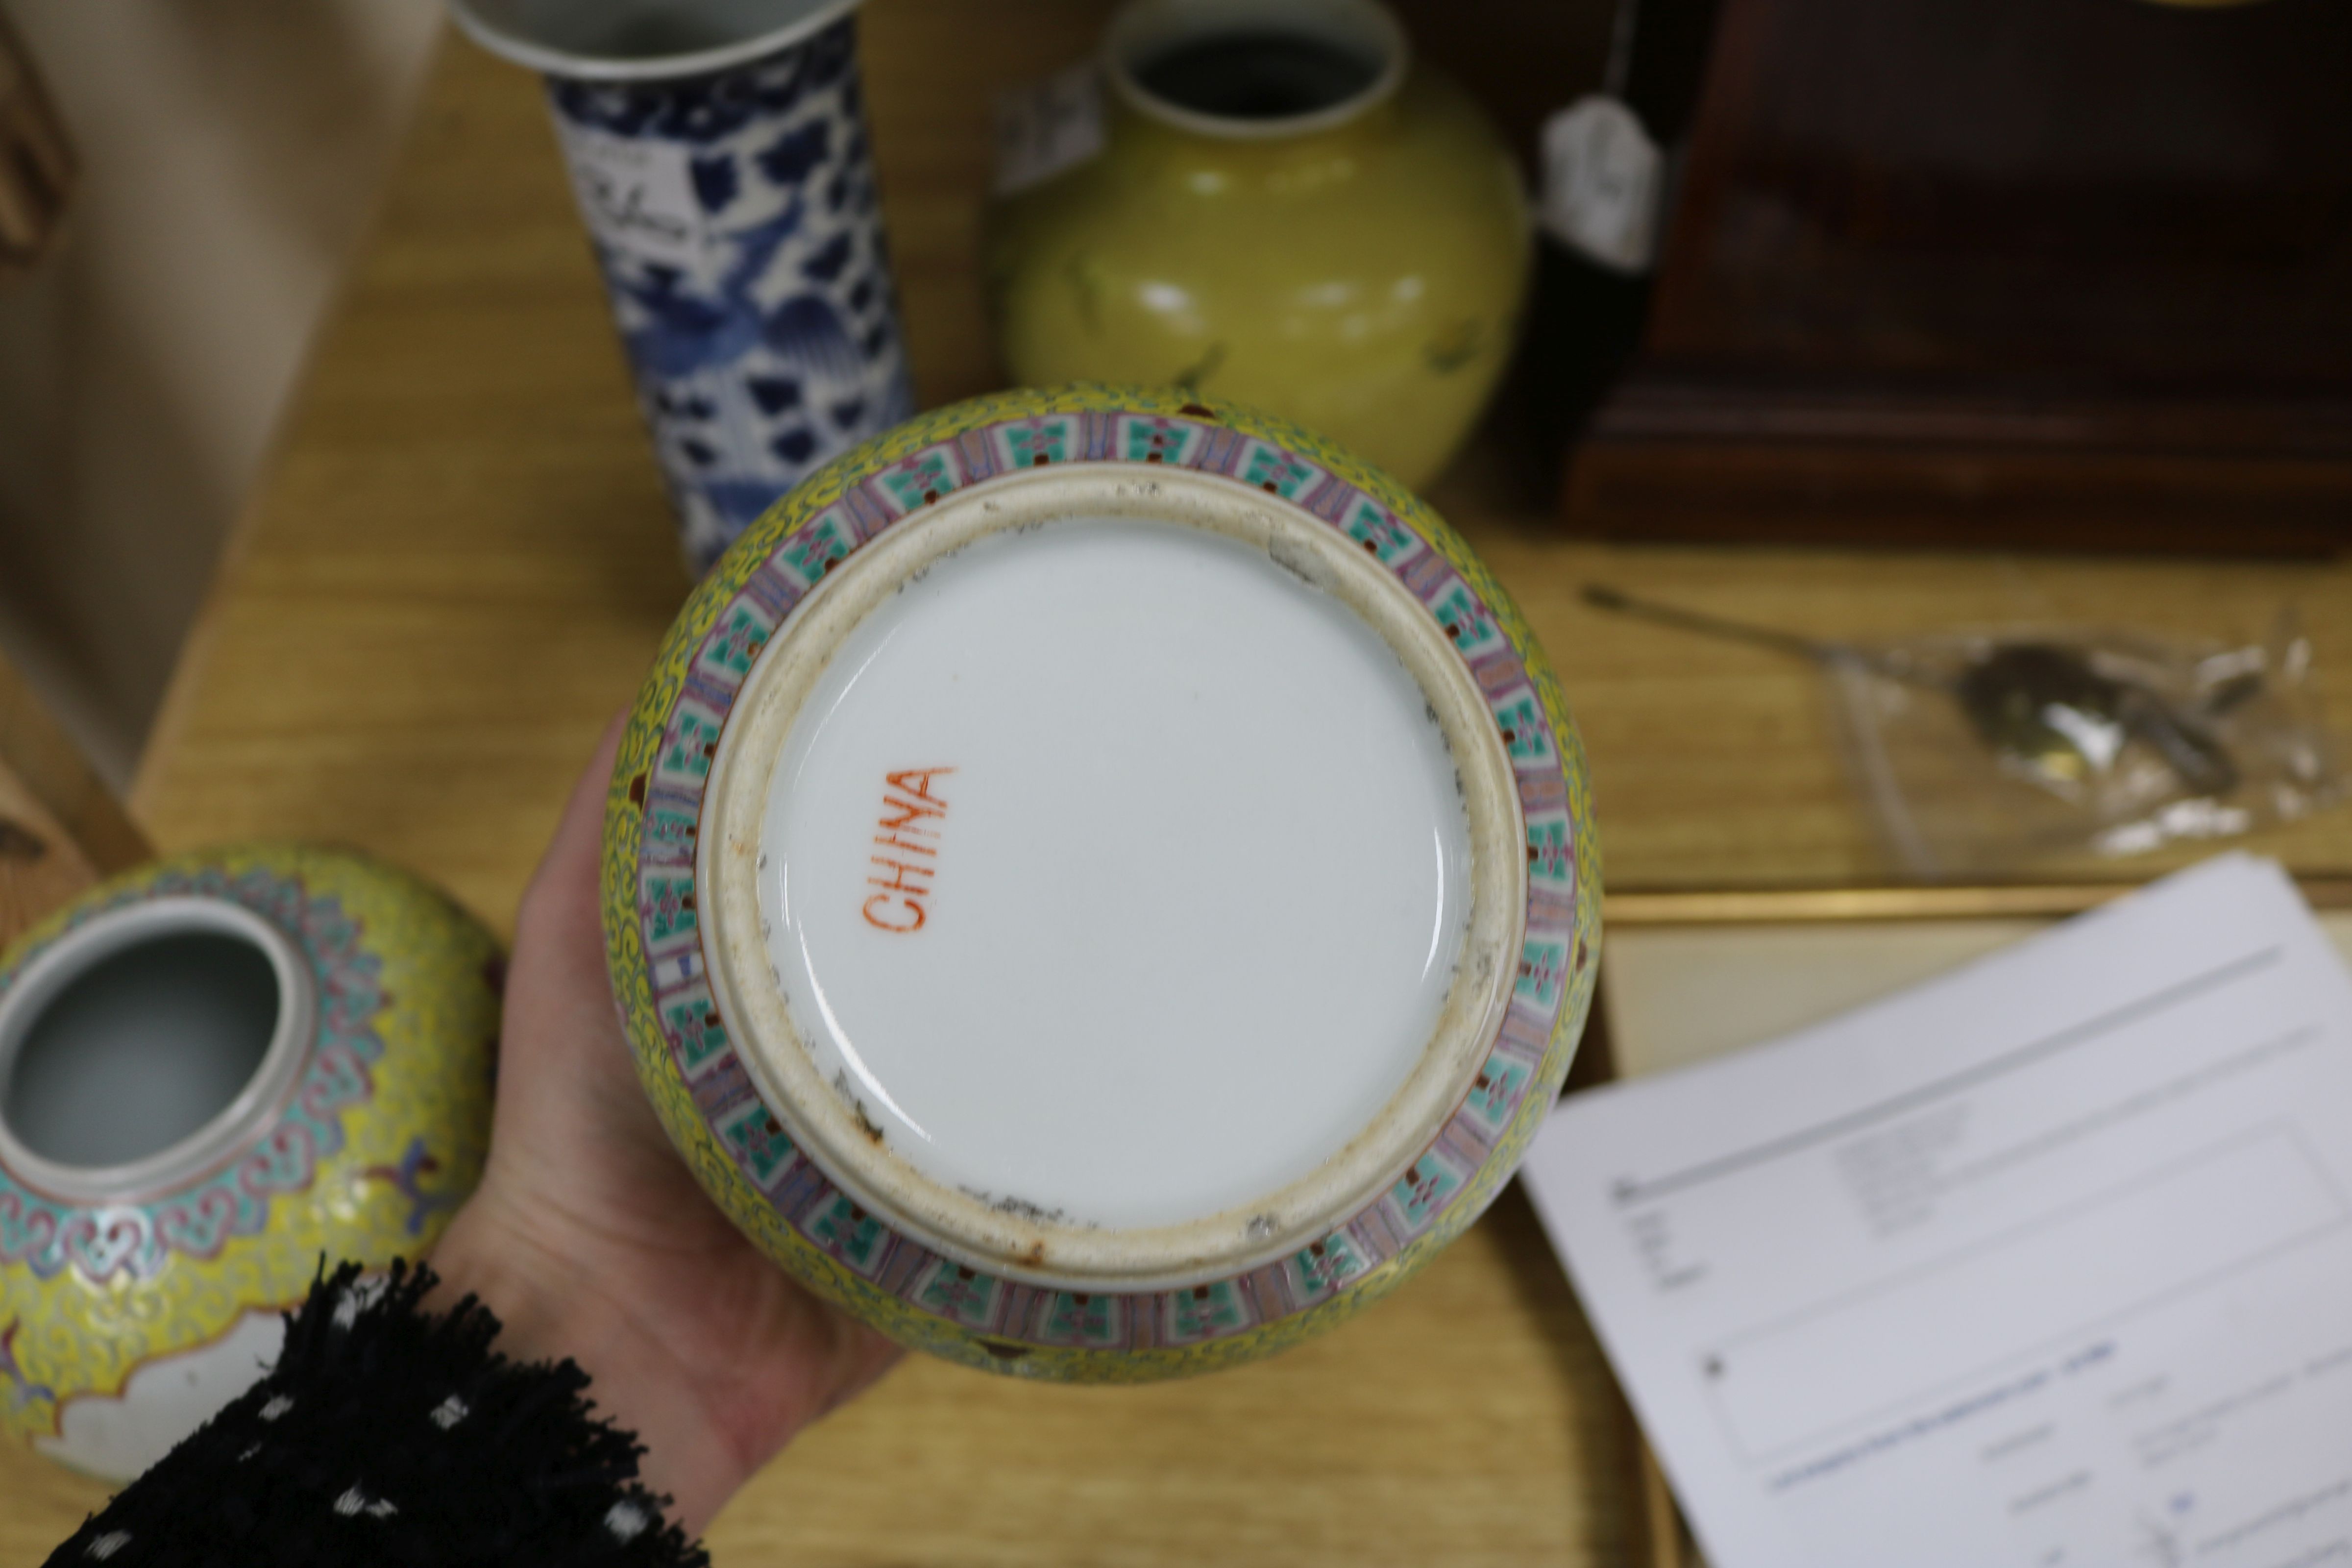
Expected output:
{"points": [[1979, 751]]}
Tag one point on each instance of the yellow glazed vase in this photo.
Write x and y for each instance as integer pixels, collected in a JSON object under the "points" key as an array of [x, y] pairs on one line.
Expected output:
{"points": [[1358, 268], [793, 1173], [325, 1022]]}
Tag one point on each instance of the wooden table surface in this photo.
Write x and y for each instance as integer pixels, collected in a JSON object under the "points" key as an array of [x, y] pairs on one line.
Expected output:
{"points": [[460, 566]]}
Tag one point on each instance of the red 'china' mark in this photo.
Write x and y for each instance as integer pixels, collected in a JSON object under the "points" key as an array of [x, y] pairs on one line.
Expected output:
{"points": [[909, 825]]}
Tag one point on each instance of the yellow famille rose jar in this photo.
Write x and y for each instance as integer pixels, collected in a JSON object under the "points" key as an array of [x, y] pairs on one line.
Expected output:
{"points": [[1101, 885], [216, 1073], [1267, 200]]}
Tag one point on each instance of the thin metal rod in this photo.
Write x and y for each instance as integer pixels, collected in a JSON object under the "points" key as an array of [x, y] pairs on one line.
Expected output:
{"points": [[1604, 597]]}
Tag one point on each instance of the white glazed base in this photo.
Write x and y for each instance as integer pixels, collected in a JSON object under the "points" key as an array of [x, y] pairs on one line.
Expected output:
{"points": [[1120, 873], [1303, 1101]]}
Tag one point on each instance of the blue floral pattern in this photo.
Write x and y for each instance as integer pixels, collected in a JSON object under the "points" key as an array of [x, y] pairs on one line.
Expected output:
{"points": [[739, 231]]}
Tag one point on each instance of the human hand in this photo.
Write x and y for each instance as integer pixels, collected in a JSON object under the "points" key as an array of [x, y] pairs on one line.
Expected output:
{"points": [[590, 1239]]}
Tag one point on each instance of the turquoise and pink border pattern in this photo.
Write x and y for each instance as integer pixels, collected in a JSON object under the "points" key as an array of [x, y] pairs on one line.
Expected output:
{"points": [[740, 1147], [98, 1240]]}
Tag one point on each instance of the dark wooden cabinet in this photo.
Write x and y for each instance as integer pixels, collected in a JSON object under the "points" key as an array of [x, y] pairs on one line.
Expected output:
{"points": [[2071, 273]]}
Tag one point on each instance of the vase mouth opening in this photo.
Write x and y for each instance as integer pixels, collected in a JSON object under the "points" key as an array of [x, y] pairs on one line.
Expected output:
{"points": [[642, 40], [148, 1045], [1254, 69]]}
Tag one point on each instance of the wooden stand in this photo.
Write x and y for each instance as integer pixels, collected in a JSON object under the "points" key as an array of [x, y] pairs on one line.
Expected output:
{"points": [[60, 829]]}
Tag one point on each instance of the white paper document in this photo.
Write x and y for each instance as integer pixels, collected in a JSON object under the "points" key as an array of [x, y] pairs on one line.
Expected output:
{"points": [[2045, 1262]]}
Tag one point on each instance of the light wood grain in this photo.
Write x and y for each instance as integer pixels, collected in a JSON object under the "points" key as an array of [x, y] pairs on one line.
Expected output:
{"points": [[463, 562]]}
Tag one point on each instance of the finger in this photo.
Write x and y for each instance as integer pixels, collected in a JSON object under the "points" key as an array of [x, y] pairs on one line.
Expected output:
{"points": [[567, 1083], [562, 891], [861, 1354]]}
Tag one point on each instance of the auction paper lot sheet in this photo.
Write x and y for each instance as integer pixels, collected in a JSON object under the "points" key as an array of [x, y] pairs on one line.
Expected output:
{"points": [[2048, 1261]]}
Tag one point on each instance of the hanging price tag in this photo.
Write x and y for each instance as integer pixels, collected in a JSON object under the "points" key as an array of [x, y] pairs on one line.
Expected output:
{"points": [[1603, 182], [1045, 127]]}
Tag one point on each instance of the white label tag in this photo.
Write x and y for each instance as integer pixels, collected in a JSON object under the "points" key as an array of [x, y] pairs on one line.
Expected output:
{"points": [[1047, 126], [639, 198], [1602, 182]]}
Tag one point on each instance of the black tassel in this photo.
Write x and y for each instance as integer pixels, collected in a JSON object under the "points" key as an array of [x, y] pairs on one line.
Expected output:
{"points": [[386, 1436]]}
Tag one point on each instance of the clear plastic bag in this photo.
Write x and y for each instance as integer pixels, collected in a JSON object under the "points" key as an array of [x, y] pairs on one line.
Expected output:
{"points": [[1978, 752]]}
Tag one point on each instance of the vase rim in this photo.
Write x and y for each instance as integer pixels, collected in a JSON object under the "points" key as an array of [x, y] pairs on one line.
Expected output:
{"points": [[1140, 29], [230, 1130], [518, 31]]}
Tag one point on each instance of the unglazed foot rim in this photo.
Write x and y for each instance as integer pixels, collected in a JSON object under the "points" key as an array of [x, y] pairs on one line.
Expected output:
{"points": [[828, 1127]]}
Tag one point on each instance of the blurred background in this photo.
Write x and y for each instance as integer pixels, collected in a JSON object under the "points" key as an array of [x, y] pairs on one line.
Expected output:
{"points": [[230, 154]]}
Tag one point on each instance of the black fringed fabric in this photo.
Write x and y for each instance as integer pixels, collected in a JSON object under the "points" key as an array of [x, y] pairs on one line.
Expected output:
{"points": [[385, 1436]]}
